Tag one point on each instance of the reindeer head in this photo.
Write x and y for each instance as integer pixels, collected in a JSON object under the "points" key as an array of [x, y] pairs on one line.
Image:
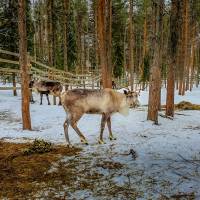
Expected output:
{"points": [[132, 98], [56, 90]]}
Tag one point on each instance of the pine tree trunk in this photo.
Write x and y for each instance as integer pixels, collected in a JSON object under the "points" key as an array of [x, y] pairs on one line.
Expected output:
{"points": [[144, 46], [109, 35], [155, 75], [51, 38], [170, 90], [188, 50], [192, 59], [50, 32], [106, 76], [96, 33], [65, 31], [26, 120], [173, 49], [185, 47], [131, 41]]}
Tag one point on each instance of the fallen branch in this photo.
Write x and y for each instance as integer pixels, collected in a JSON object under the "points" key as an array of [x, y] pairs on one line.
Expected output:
{"points": [[165, 116], [197, 162], [181, 114]]}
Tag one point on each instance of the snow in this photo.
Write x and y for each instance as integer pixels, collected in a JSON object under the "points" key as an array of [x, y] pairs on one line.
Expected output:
{"points": [[162, 150]]}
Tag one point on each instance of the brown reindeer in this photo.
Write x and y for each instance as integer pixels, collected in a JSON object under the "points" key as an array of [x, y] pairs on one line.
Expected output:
{"points": [[105, 102], [46, 87]]}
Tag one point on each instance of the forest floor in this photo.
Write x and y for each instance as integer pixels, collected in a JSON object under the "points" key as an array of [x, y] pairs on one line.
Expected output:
{"points": [[145, 162]]}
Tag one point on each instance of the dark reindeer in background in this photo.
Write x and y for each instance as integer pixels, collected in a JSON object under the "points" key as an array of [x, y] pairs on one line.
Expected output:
{"points": [[105, 102], [46, 87]]}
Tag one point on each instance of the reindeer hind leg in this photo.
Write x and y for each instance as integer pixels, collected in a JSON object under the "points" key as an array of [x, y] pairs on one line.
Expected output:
{"points": [[41, 95], [66, 126], [73, 122]]}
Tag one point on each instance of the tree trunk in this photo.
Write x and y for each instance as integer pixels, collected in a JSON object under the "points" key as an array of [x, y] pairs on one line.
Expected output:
{"points": [[184, 56], [109, 35], [51, 38], [170, 90], [173, 46], [131, 41], [26, 120], [144, 46], [50, 32], [106, 76], [66, 10], [155, 75], [96, 33]]}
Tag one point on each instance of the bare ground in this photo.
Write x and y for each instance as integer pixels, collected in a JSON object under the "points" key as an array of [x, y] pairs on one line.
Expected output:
{"points": [[65, 173]]}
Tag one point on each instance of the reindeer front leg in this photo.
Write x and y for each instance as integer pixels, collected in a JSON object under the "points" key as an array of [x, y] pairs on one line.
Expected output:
{"points": [[111, 137], [59, 101], [103, 122], [48, 99], [41, 95]]}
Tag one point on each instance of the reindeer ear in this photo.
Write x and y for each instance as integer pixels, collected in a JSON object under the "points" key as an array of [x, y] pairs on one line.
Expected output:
{"points": [[125, 92]]}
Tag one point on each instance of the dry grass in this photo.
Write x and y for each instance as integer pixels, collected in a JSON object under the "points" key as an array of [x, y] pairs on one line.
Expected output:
{"points": [[22, 175], [184, 105]]}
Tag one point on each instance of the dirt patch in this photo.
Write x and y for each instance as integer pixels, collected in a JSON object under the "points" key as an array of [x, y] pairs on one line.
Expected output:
{"points": [[110, 165], [22, 175]]}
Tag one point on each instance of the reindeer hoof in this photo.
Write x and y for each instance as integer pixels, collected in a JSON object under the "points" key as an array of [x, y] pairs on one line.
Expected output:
{"points": [[84, 141], [69, 145], [101, 141], [112, 138]]}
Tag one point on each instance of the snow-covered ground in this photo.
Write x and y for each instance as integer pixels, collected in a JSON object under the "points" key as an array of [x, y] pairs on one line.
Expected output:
{"points": [[168, 155]]}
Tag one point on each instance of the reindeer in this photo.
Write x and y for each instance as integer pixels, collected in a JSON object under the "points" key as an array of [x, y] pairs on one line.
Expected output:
{"points": [[46, 87], [77, 102]]}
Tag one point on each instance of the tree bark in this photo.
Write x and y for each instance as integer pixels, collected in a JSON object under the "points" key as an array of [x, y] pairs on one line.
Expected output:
{"points": [[106, 76], [26, 120], [173, 46], [66, 10], [155, 74], [109, 35], [131, 41], [184, 56]]}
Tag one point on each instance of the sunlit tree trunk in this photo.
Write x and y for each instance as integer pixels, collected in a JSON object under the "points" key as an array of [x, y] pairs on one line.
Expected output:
{"points": [[26, 120], [106, 76]]}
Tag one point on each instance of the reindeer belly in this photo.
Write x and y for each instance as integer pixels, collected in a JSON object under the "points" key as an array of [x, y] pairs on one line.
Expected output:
{"points": [[94, 111]]}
